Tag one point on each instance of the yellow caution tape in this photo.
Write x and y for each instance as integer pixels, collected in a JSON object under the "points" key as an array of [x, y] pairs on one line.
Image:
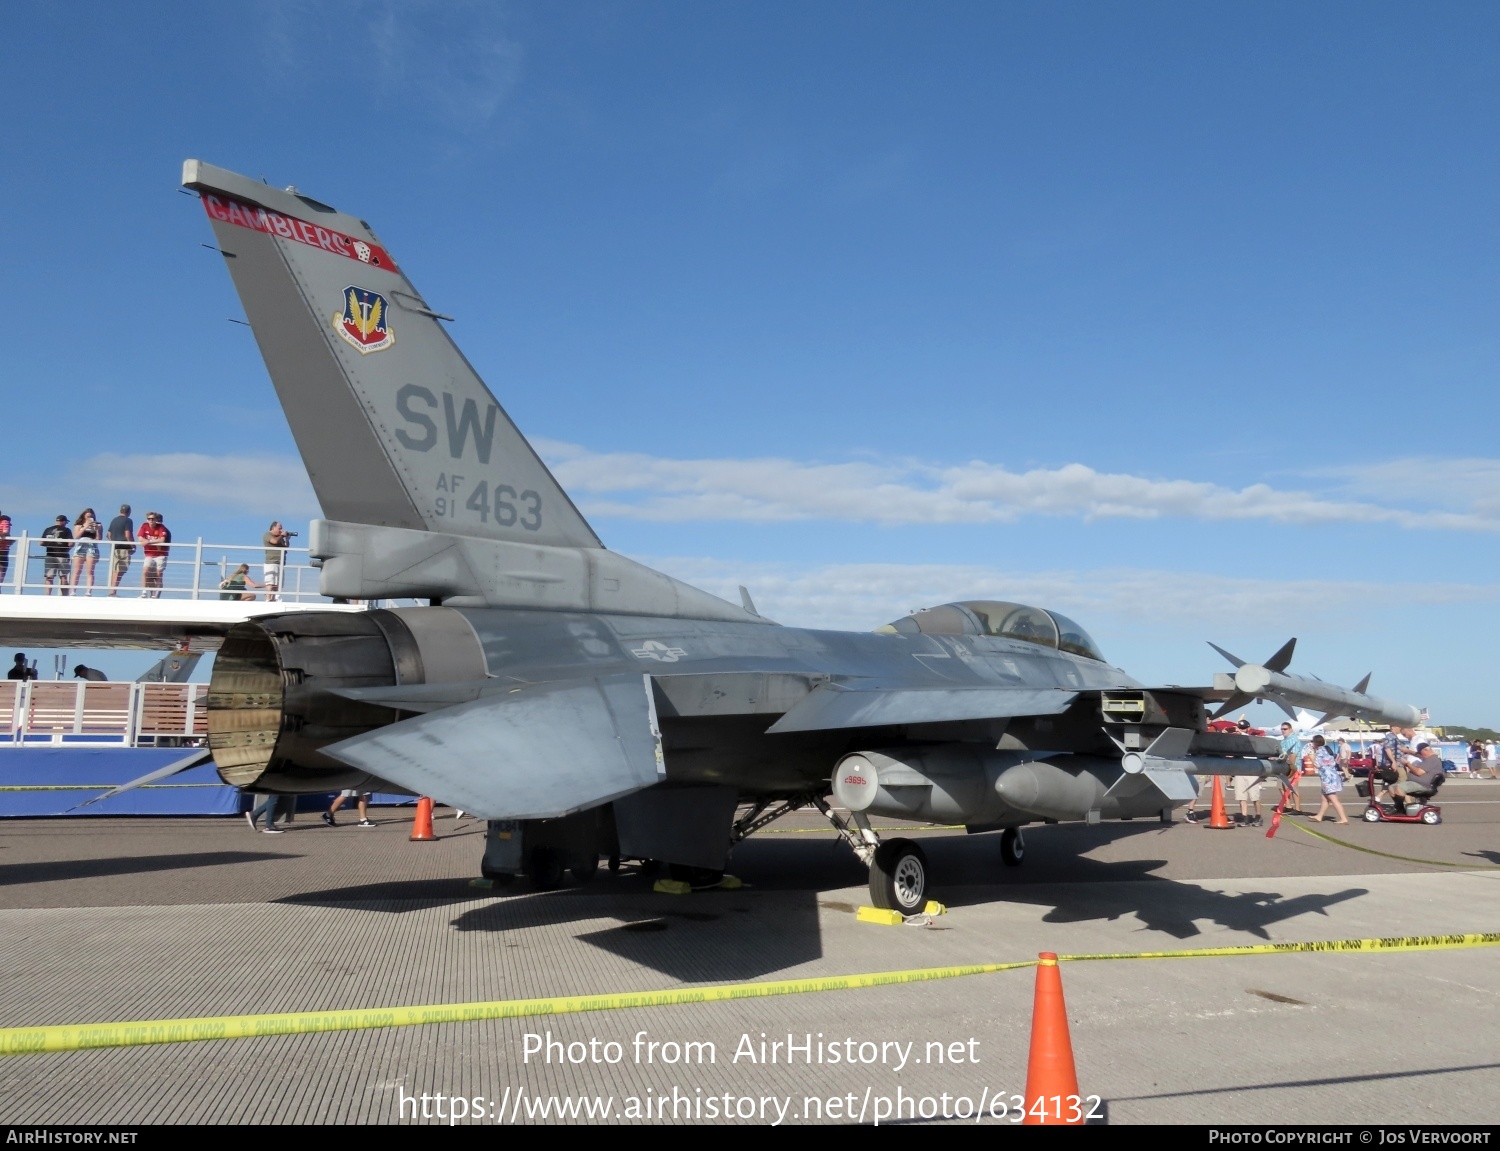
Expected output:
{"points": [[832, 831], [1388, 855], [1390, 943], [79, 1037]]}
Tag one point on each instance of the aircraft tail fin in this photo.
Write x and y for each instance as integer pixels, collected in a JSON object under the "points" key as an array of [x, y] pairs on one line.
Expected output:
{"points": [[394, 425]]}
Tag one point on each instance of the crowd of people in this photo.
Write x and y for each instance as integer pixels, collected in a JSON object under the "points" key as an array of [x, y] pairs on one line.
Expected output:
{"points": [[1409, 764], [71, 553]]}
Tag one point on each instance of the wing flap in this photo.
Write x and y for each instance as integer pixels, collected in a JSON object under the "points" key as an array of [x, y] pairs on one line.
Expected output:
{"points": [[536, 752], [834, 706]]}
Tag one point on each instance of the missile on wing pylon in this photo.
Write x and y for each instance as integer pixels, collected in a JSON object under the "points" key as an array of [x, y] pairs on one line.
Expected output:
{"points": [[1271, 681]]}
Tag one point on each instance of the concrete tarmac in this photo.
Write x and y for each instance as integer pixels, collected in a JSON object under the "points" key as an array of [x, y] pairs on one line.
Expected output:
{"points": [[106, 920]]}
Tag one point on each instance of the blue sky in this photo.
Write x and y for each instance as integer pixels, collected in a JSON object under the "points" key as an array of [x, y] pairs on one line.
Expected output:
{"points": [[1177, 317]]}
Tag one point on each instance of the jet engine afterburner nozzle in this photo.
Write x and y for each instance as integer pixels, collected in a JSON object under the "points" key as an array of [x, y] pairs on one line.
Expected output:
{"points": [[272, 706]]}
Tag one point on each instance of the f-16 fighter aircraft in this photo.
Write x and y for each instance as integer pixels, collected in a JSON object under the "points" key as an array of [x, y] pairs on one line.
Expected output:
{"points": [[586, 705]]}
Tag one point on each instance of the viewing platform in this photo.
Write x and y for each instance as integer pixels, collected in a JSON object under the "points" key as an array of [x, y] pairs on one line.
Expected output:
{"points": [[48, 602]]}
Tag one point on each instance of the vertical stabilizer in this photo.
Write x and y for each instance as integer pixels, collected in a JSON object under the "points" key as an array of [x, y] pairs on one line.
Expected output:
{"points": [[395, 427]]}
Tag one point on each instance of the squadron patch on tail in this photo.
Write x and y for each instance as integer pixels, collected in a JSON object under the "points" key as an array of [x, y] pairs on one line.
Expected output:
{"points": [[365, 322]]}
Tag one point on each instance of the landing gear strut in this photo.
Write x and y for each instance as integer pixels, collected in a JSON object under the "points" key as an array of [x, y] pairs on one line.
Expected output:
{"points": [[898, 868]]}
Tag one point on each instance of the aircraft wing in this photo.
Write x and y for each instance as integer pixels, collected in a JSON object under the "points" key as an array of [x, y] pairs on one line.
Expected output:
{"points": [[535, 752], [832, 706]]}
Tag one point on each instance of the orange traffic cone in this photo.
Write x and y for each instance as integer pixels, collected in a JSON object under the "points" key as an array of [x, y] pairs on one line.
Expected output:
{"points": [[1051, 1079], [1216, 817], [421, 828]]}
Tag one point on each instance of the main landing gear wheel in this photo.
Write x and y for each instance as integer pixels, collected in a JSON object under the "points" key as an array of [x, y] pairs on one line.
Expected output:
{"points": [[544, 867], [584, 867], [1012, 847], [1371, 815], [898, 877]]}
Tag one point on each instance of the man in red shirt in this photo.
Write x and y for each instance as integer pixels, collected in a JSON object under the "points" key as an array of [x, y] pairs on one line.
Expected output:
{"points": [[4, 546], [154, 538]]}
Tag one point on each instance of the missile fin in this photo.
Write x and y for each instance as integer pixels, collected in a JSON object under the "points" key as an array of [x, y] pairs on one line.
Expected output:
{"points": [[1286, 707], [1326, 717], [1172, 743], [1283, 657], [1234, 660], [1237, 700], [1359, 688]]}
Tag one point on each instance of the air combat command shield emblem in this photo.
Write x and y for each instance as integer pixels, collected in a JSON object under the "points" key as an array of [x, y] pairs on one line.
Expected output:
{"points": [[365, 321]]}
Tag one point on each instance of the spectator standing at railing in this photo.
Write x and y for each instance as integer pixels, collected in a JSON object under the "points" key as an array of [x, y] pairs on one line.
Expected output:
{"points": [[57, 544], [86, 530], [4, 546], [19, 669], [121, 536], [154, 538], [275, 540]]}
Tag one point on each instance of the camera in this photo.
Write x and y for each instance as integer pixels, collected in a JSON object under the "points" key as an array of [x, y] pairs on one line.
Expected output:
{"points": [[291, 534]]}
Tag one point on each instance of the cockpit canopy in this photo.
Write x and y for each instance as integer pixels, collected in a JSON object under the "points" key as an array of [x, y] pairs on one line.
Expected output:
{"points": [[995, 617]]}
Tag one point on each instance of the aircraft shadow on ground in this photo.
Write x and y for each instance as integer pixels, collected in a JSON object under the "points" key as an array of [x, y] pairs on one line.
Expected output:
{"points": [[772, 924], [1485, 854], [1117, 889], [703, 937], [14, 874], [1329, 1081], [707, 936]]}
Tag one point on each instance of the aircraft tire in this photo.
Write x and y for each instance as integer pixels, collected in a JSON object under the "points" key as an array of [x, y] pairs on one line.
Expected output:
{"points": [[544, 867], [898, 877], [614, 863], [584, 867], [1012, 847]]}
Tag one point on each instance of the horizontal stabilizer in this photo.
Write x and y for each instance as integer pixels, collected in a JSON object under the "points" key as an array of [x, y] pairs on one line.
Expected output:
{"points": [[534, 752], [200, 755], [419, 697], [832, 706]]}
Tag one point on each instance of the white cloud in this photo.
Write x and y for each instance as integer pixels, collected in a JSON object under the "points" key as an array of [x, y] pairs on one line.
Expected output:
{"points": [[268, 485], [863, 596], [639, 486], [453, 59], [1473, 484]]}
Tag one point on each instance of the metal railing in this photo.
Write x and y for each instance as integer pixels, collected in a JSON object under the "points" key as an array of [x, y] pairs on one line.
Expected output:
{"points": [[193, 570], [75, 713]]}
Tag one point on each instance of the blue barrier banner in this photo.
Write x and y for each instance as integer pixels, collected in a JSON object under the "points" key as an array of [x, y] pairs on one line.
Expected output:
{"points": [[47, 781]]}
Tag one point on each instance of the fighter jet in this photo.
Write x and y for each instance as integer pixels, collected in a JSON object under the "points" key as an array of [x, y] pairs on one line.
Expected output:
{"points": [[586, 705]]}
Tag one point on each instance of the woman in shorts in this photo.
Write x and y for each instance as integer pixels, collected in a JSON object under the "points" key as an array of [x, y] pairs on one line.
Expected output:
{"points": [[1331, 777], [87, 531]]}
